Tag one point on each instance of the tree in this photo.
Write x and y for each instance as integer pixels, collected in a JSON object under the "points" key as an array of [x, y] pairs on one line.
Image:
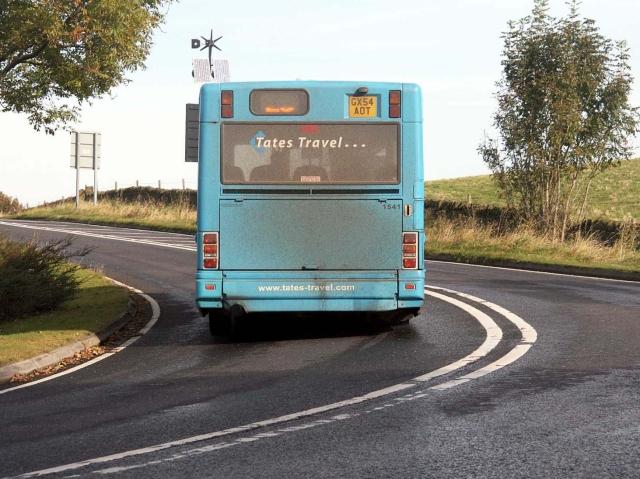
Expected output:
{"points": [[9, 205], [56, 55], [563, 115]]}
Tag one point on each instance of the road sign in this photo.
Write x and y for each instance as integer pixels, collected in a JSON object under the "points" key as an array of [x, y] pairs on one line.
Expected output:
{"points": [[85, 150]]}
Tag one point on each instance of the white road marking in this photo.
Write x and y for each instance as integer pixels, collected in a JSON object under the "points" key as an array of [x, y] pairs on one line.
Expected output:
{"points": [[115, 228], [597, 278], [101, 236], [527, 332], [492, 340], [155, 314], [494, 335]]}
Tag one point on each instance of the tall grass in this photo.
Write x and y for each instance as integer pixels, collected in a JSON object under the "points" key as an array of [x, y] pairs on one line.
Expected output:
{"points": [[179, 216], [468, 240]]}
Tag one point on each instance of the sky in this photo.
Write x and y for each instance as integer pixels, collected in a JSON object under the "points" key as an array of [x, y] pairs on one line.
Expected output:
{"points": [[450, 48]]}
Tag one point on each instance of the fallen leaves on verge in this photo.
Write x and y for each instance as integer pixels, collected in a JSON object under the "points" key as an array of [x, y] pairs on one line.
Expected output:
{"points": [[130, 328]]}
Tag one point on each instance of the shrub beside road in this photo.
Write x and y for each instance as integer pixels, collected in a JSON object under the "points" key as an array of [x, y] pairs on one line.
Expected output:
{"points": [[47, 302]]}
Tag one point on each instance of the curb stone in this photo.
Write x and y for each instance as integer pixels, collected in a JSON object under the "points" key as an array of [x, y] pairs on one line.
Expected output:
{"points": [[53, 357]]}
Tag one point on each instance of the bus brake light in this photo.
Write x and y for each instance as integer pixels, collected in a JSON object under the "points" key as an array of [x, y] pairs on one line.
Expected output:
{"points": [[211, 263], [410, 238], [409, 263], [394, 103], [410, 250], [210, 238], [226, 104], [210, 250]]}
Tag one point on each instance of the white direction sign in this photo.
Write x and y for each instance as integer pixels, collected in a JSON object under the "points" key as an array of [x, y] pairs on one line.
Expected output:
{"points": [[85, 150]]}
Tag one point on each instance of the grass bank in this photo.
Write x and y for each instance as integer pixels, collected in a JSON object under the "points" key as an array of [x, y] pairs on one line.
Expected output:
{"points": [[466, 241], [98, 303], [613, 195], [153, 215]]}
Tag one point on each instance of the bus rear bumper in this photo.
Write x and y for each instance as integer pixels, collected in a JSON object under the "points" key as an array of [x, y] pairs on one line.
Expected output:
{"points": [[310, 290]]}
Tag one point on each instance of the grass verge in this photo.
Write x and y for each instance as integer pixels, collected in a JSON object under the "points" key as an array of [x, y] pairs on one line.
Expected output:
{"points": [[98, 304], [175, 217], [466, 241], [457, 240]]}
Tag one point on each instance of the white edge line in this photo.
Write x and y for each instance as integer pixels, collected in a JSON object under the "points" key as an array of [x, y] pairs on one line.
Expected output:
{"points": [[123, 227], [494, 334], [155, 308], [100, 236], [522, 270]]}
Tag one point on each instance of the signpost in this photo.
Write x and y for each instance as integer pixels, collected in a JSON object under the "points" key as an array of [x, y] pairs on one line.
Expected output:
{"points": [[86, 153]]}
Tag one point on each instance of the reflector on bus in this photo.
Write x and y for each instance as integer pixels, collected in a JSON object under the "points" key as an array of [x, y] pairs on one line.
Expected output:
{"points": [[279, 102]]}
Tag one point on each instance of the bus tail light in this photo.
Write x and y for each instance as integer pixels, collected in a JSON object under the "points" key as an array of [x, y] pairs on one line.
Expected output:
{"points": [[410, 250], [226, 104], [210, 250], [394, 103], [409, 263]]}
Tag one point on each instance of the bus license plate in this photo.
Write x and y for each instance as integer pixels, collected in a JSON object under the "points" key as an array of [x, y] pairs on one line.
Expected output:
{"points": [[363, 106]]}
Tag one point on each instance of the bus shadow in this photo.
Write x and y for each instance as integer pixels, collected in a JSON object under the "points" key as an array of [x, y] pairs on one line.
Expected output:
{"points": [[257, 327]]}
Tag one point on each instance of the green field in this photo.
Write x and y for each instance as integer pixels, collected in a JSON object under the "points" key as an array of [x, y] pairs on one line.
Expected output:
{"points": [[615, 194], [98, 304]]}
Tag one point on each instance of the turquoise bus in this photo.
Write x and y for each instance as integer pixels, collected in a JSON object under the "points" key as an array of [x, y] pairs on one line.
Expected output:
{"points": [[310, 199]]}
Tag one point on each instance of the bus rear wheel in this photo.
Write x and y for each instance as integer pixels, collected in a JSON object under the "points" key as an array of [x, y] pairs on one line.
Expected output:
{"points": [[220, 323], [225, 322]]}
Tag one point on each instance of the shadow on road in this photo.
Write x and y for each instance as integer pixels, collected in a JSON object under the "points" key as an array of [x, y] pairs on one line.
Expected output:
{"points": [[259, 327]]}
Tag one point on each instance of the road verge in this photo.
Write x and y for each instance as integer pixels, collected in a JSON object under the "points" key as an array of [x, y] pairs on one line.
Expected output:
{"points": [[136, 317]]}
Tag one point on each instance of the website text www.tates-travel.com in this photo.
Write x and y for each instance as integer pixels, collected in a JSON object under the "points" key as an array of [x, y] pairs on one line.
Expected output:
{"points": [[306, 287]]}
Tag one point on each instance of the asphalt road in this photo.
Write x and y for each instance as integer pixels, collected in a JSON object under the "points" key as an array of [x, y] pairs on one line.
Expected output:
{"points": [[569, 407]]}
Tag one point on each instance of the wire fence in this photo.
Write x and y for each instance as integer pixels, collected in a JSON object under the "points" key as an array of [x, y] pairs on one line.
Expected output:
{"points": [[114, 188], [173, 184]]}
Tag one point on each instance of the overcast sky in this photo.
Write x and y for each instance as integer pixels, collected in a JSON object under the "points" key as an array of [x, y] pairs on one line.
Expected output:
{"points": [[451, 48]]}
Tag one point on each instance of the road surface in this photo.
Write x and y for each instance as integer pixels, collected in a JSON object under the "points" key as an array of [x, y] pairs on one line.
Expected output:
{"points": [[525, 375]]}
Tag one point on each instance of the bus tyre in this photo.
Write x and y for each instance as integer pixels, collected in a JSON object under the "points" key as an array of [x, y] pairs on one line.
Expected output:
{"points": [[403, 316], [220, 323]]}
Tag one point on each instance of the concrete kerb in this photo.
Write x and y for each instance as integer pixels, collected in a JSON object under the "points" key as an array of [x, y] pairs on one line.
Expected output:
{"points": [[90, 340]]}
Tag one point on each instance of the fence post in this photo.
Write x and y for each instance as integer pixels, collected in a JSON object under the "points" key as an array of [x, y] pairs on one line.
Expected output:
{"points": [[159, 185], [183, 185], [137, 184], [116, 186]]}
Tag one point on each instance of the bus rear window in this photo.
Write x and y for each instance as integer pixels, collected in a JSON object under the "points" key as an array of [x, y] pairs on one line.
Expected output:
{"points": [[340, 153]]}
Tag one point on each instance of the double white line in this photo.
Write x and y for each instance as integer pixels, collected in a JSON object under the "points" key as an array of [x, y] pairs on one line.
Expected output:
{"points": [[493, 338]]}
